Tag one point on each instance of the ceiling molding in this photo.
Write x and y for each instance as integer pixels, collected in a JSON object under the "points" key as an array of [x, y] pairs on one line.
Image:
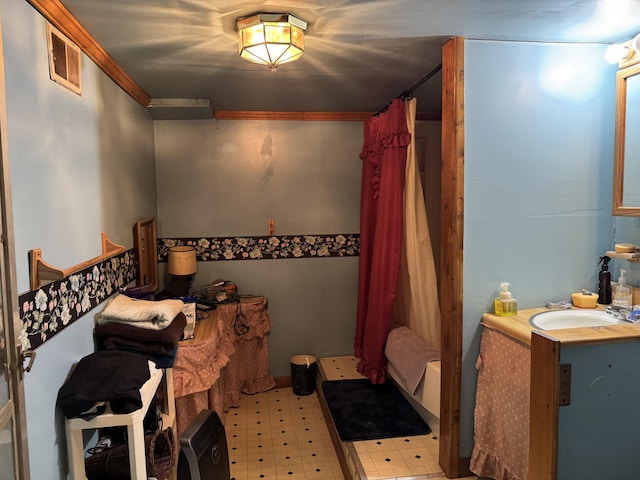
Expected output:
{"points": [[308, 116], [56, 13], [59, 16]]}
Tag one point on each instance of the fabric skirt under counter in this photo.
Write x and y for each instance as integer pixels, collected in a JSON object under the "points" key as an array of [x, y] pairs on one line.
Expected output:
{"points": [[501, 417]]}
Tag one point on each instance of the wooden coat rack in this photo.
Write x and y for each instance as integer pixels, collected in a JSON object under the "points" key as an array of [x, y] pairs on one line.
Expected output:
{"points": [[40, 272]]}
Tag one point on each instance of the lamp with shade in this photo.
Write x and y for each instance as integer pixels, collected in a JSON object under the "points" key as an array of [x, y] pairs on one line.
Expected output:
{"points": [[181, 266]]}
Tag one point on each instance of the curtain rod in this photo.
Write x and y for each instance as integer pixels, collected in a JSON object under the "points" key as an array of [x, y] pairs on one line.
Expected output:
{"points": [[422, 80], [409, 92]]}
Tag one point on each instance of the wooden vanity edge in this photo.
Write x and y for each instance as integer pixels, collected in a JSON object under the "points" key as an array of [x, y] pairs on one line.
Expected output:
{"points": [[544, 407], [518, 328]]}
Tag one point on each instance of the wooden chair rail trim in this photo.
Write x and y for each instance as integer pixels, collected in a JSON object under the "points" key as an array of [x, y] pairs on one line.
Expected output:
{"points": [[41, 272]]}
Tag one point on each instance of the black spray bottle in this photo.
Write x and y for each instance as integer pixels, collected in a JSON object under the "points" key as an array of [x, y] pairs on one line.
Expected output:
{"points": [[604, 281]]}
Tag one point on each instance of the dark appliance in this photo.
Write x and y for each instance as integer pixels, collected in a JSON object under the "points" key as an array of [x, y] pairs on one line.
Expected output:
{"points": [[203, 449]]}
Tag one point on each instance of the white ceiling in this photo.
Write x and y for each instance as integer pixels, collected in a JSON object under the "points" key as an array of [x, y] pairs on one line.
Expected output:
{"points": [[359, 53]]}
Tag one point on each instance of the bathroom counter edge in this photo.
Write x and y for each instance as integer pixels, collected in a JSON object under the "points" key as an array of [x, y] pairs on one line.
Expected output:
{"points": [[518, 328], [515, 326]]}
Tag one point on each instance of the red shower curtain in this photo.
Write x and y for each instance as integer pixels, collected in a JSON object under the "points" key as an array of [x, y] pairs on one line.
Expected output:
{"points": [[384, 155]]}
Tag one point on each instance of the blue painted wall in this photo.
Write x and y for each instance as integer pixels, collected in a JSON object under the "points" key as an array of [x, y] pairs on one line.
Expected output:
{"points": [[80, 165], [539, 123], [219, 178], [605, 384]]}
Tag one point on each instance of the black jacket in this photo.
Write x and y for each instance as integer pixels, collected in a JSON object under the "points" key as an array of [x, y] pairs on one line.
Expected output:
{"points": [[113, 376]]}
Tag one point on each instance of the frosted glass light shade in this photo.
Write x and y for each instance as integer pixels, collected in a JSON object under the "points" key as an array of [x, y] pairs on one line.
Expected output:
{"points": [[271, 38], [182, 261]]}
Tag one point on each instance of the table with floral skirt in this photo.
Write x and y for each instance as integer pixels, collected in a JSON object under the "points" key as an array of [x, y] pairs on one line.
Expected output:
{"points": [[227, 357]]}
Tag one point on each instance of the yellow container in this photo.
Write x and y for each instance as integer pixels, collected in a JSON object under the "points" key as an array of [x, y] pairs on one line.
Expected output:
{"points": [[582, 300]]}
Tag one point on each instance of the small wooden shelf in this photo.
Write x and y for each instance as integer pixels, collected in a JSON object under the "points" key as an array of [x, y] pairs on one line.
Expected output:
{"points": [[630, 257], [40, 272]]}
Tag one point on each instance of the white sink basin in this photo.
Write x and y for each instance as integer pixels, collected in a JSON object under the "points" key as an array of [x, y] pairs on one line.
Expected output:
{"points": [[575, 318]]}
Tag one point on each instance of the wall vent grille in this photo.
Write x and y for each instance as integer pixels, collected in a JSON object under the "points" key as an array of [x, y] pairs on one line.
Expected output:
{"points": [[64, 60]]}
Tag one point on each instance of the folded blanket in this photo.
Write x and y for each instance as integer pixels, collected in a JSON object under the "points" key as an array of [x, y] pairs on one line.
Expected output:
{"points": [[112, 335], [141, 313], [409, 354]]}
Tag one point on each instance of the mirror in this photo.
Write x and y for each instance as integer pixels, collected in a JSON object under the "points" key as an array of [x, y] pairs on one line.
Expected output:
{"points": [[626, 170]]}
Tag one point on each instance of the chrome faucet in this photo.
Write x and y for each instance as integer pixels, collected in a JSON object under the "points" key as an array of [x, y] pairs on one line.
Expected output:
{"points": [[622, 313], [618, 312]]}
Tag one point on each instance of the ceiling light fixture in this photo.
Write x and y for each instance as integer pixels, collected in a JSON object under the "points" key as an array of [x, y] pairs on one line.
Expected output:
{"points": [[271, 38]]}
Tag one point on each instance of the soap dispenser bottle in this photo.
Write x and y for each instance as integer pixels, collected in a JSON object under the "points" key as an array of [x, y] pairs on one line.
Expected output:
{"points": [[604, 281], [622, 292], [505, 305]]}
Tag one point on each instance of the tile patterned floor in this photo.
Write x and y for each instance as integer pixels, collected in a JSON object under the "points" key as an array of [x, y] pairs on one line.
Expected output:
{"points": [[400, 457], [340, 368], [279, 435]]}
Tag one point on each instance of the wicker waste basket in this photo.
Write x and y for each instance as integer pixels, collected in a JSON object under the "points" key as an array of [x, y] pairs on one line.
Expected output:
{"points": [[113, 463]]}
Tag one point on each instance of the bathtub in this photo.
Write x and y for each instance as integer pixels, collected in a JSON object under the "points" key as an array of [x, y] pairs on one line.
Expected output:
{"points": [[426, 400]]}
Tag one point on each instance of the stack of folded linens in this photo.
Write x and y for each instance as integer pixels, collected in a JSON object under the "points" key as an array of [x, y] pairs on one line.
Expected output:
{"points": [[153, 328]]}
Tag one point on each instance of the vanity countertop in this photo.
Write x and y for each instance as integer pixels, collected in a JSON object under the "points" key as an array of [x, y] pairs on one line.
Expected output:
{"points": [[518, 327]]}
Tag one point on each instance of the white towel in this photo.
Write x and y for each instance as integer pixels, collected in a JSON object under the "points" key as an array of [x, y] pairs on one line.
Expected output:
{"points": [[140, 313]]}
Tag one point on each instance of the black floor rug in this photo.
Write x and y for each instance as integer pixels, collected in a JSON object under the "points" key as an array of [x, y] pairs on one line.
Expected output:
{"points": [[363, 411]]}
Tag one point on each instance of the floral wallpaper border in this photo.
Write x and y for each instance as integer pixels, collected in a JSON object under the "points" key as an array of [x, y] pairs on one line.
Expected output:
{"points": [[53, 307], [266, 247]]}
